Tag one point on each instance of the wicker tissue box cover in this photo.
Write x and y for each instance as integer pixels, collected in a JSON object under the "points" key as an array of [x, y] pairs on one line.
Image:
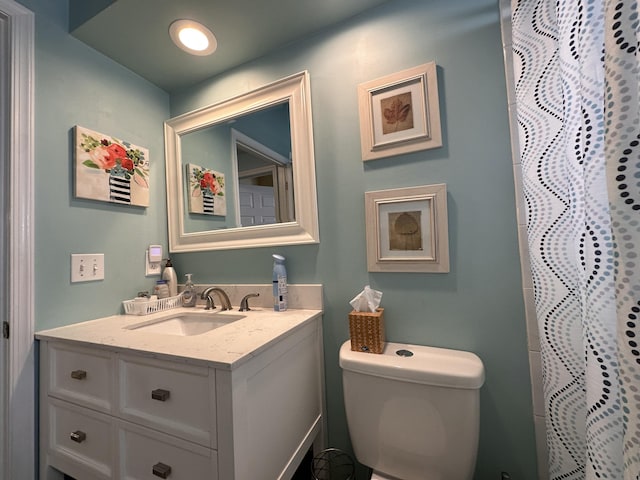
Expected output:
{"points": [[367, 331]]}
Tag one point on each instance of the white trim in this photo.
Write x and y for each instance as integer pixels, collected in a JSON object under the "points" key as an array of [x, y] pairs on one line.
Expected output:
{"points": [[20, 424]]}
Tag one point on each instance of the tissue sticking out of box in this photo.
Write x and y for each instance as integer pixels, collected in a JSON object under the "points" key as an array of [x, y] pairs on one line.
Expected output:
{"points": [[367, 300], [366, 322]]}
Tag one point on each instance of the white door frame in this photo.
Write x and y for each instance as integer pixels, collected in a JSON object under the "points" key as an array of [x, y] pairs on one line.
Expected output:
{"points": [[19, 434]]}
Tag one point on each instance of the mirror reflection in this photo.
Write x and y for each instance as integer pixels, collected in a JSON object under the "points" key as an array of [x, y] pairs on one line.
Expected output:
{"points": [[241, 173], [265, 182]]}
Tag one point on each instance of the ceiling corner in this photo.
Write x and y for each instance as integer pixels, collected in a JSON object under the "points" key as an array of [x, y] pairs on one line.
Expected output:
{"points": [[82, 10]]}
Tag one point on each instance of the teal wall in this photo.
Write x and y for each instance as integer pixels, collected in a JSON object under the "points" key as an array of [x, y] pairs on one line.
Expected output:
{"points": [[477, 307], [270, 127], [75, 85]]}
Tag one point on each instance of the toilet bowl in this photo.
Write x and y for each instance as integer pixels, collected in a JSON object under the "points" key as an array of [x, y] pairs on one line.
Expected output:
{"points": [[413, 411]]}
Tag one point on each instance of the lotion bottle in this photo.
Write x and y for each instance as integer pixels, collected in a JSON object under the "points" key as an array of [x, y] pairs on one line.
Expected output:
{"points": [[169, 274], [189, 296], [279, 284]]}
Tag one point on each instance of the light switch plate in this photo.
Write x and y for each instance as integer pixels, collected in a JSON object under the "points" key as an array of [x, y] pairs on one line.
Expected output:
{"points": [[87, 267]]}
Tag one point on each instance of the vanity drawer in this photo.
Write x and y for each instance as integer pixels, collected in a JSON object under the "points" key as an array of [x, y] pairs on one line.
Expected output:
{"points": [[175, 398], [148, 455], [81, 375], [80, 440]]}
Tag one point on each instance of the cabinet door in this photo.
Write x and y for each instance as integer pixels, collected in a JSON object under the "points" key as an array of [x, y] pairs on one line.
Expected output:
{"points": [[149, 455], [81, 375], [80, 440], [171, 397], [274, 405]]}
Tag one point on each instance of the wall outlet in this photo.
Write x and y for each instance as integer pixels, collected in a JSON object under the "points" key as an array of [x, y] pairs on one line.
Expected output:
{"points": [[87, 267], [152, 268]]}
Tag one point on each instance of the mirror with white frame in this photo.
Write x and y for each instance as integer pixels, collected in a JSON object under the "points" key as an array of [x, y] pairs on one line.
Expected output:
{"points": [[224, 157]]}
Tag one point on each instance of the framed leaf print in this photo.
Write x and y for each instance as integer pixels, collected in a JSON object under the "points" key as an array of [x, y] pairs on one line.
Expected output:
{"points": [[407, 229], [400, 113]]}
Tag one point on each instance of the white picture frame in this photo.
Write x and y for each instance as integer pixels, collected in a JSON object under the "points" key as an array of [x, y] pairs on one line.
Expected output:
{"points": [[407, 229], [400, 113]]}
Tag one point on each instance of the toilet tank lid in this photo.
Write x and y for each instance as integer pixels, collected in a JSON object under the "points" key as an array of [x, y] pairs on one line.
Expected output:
{"points": [[428, 365]]}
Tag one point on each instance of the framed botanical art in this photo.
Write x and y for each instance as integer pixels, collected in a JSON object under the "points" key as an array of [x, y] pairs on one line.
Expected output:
{"points": [[407, 229], [400, 113], [206, 191], [110, 169]]}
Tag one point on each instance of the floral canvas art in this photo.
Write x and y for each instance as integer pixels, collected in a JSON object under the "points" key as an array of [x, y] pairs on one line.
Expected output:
{"points": [[206, 191], [110, 169]]}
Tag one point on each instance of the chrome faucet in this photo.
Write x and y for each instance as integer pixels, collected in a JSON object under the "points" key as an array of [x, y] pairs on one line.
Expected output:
{"points": [[224, 298]]}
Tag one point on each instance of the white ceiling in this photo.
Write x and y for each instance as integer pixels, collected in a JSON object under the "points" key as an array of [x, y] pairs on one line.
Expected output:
{"points": [[135, 32]]}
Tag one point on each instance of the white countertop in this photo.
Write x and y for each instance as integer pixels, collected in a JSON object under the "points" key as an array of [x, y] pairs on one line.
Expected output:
{"points": [[225, 347]]}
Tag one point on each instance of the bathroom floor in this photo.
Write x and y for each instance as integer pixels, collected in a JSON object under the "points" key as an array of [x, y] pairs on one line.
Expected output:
{"points": [[304, 470]]}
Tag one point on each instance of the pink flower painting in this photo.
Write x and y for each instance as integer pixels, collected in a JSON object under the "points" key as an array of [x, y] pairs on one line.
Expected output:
{"points": [[110, 170], [206, 191]]}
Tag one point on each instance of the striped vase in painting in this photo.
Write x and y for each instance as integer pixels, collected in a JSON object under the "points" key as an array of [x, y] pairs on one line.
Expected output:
{"points": [[207, 202], [120, 189]]}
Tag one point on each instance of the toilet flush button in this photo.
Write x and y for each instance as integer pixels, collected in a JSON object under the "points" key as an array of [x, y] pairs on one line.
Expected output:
{"points": [[404, 353]]}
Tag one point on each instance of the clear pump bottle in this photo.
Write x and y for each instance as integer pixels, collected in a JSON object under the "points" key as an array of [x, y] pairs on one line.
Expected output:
{"points": [[189, 296]]}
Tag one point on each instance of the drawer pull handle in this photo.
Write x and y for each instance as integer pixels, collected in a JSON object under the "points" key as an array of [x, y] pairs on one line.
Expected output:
{"points": [[78, 436], [160, 394], [79, 374], [161, 470]]}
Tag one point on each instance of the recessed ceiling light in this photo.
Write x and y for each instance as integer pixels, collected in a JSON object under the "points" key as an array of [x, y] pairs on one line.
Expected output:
{"points": [[193, 37]]}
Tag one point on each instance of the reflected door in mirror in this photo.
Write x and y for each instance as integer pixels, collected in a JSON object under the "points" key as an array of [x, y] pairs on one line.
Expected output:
{"points": [[257, 205]]}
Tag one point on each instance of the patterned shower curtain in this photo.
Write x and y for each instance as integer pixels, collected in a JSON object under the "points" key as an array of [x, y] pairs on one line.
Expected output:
{"points": [[577, 93]]}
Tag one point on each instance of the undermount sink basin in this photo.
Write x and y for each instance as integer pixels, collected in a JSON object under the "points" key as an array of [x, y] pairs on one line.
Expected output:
{"points": [[186, 324]]}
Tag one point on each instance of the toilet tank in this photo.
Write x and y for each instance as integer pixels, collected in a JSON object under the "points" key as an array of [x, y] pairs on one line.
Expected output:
{"points": [[413, 411]]}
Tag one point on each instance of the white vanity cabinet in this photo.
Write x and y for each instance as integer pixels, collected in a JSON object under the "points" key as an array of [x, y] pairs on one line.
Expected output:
{"points": [[167, 396], [108, 412]]}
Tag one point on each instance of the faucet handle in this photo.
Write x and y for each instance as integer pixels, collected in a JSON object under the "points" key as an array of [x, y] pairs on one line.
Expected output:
{"points": [[244, 303]]}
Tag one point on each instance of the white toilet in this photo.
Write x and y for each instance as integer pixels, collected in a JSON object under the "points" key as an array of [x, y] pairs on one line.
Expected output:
{"points": [[413, 412]]}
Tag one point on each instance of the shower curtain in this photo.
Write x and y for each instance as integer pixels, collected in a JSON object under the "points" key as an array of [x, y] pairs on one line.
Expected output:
{"points": [[576, 75]]}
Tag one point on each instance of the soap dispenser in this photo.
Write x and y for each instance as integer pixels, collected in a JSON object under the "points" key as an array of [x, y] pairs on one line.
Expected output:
{"points": [[189, 296]]}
